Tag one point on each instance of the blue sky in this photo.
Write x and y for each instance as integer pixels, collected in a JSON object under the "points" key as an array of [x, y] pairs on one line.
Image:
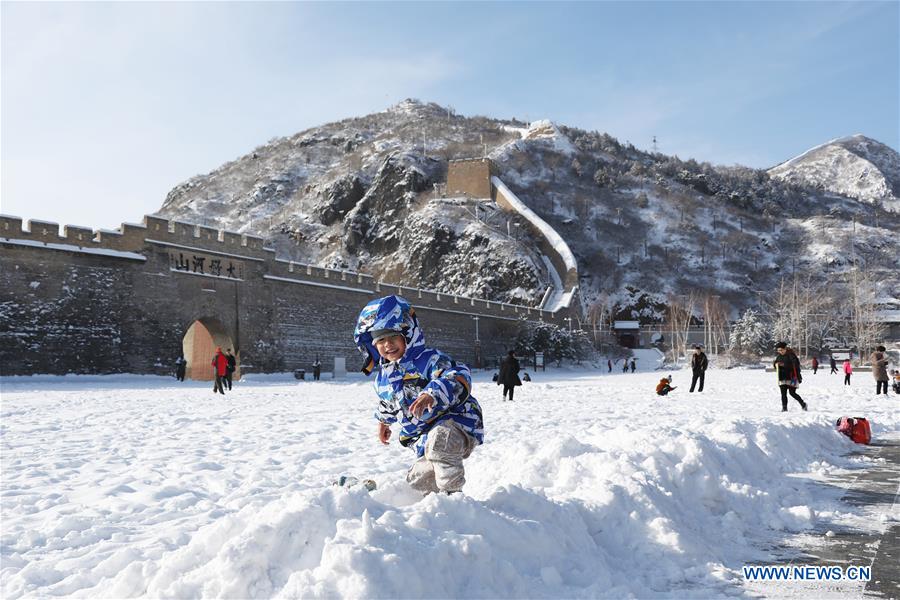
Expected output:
{"points": [[105, 107]]}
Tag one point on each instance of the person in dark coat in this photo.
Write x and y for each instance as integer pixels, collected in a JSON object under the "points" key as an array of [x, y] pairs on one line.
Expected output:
{"points": [[609, 365], [624, 365], [317, 369], [815, 364], [180, 368], [220, 364], [509, 375], [230, 367], [833, 366], [633, 365], [699, 363], [787, 368]]}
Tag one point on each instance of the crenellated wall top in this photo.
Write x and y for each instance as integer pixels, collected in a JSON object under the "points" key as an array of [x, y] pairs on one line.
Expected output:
{"points": [[131, 236]]}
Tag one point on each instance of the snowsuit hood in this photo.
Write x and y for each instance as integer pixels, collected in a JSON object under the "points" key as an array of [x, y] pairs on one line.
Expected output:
{"points": [[395, 314]]}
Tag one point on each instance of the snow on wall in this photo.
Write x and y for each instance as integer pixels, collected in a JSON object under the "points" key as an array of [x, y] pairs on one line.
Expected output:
{"points": [[570, 277]]}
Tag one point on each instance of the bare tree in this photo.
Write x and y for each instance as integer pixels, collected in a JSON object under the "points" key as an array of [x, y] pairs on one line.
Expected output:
{"points": [[715, 324], [598, 315], [865, 327], [678, 320]]}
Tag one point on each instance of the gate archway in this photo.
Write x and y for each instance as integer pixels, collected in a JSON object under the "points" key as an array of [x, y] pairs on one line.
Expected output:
{"points": [[199, 346]]}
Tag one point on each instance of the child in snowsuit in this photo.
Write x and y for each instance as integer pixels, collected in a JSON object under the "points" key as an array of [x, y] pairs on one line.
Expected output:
{"points": [[422, 389], [664, 386]]}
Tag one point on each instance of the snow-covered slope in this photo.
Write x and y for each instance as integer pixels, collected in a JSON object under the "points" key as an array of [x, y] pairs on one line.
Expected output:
{"points": [[854, 166], [361, 194]]}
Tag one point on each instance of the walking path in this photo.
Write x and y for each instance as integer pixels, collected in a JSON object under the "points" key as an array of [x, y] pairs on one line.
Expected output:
{"points": [[873, 495]]}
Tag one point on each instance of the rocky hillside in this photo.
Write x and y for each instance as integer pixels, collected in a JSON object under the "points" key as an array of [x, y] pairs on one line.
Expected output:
{"points": [[855, 166], [360, 194]]}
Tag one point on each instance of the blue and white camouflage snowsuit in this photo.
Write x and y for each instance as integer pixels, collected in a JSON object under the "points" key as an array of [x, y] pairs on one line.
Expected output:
{"points": [[420, 370]]}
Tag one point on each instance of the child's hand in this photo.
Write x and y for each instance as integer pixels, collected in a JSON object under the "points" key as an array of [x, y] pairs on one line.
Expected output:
{"points": [[423, 403], [384, 433]]}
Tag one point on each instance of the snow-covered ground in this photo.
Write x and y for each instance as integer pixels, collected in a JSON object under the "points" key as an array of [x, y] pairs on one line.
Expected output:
{"points": [[589, 485]]}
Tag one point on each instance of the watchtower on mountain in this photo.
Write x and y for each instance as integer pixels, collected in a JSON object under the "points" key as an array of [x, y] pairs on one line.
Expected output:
{"points": [[470, 177]]}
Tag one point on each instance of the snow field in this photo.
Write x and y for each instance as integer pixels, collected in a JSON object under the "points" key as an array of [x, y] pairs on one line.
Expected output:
{"points": [[589, 485]]}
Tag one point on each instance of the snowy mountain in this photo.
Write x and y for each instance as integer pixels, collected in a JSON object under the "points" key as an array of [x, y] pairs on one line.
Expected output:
{"points": [[364, 194], [855, 166]]}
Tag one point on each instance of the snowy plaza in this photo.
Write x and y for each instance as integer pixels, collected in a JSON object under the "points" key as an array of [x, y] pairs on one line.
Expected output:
{"points": [[588, 485]]}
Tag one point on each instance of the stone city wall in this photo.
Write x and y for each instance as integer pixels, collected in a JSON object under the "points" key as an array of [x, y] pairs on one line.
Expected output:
{"points": [[122, 301]]}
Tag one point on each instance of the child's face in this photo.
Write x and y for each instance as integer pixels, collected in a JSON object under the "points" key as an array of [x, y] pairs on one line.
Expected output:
{"points": [[391, 348]]}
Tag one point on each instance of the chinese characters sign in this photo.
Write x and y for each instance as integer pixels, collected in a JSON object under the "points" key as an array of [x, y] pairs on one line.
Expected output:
{"points": [[204, 264]]}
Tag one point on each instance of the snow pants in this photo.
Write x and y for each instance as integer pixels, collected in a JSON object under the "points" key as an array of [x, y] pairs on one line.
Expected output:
{"points": [[698, 376], [881, 383], [219, 385], [508, 389], [785, 389], [441, 469], [847, 378]]}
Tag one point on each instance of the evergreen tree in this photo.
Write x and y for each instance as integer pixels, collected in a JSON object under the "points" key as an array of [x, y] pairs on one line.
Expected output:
{"points": [[749, 335]]}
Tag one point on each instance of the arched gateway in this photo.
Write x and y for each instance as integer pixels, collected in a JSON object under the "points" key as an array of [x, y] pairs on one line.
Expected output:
{"points": [[199, 345]]}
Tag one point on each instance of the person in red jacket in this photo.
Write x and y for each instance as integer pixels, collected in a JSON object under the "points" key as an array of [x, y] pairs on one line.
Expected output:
{"points": [[220, 362]]}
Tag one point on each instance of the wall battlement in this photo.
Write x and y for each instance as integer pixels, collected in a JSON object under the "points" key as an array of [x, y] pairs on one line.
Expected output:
{"points": [[132, 237]]}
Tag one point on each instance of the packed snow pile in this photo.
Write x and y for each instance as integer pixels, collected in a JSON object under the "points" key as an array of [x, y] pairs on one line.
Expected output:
{"points": [[588, 485]]}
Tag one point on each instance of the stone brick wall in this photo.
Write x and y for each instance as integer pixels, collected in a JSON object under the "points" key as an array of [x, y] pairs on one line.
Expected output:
{"points": [[471, 177], [109, 302]]}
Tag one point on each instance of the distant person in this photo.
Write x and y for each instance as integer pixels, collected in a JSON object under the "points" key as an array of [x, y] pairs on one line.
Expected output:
{"points": [[664, 386], [220, 364], [896, 384], [833, 365], [879, 369], [624, 365], [317, 369], [230, 367], [848, 371], [815, 365], [787, 368], [509, 375], [609, 365], [699, 364], [180, 368], [633, 365]]}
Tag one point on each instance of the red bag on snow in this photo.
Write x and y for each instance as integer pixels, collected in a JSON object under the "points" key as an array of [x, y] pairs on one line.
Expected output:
{"points": [[855, 428]]}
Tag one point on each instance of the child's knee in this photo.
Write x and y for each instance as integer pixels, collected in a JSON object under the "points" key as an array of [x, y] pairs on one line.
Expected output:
{"points": [[421, 476]]}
